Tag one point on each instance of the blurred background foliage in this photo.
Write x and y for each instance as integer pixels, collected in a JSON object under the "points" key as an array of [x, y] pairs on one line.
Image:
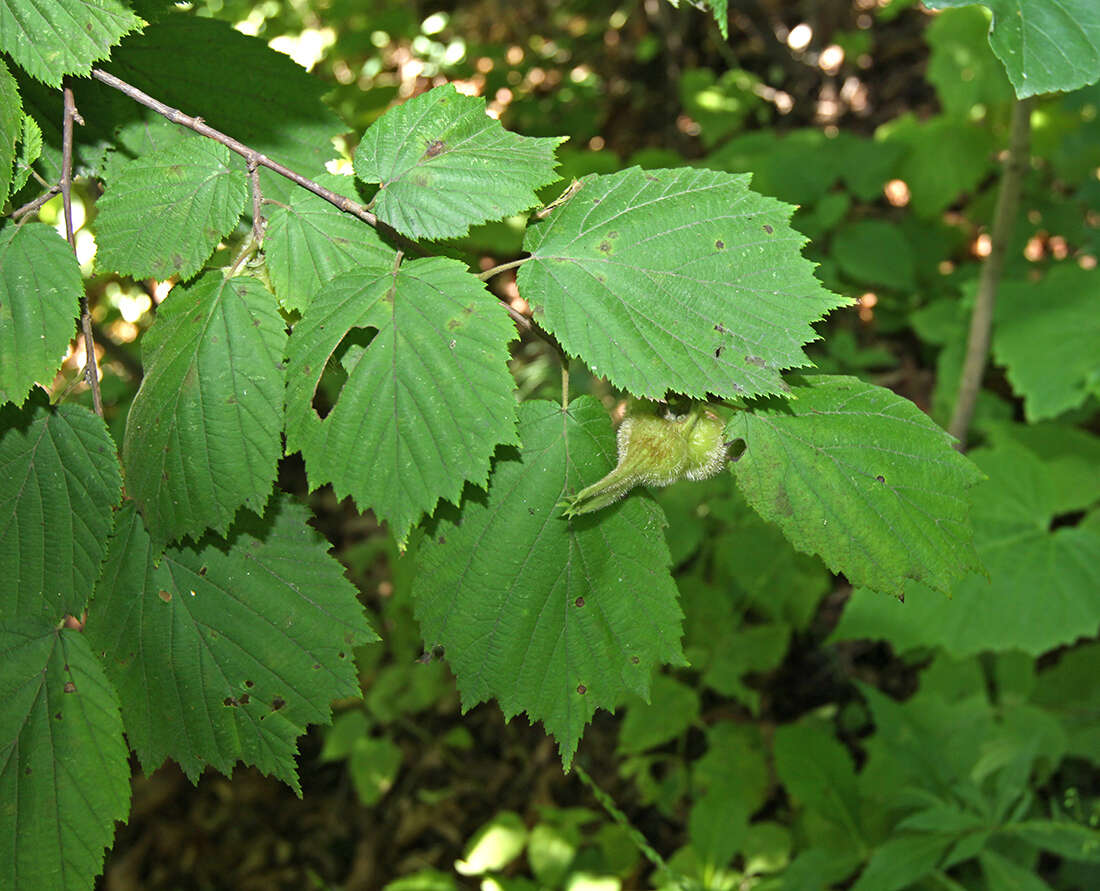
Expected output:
{"points": [[790, 752]]}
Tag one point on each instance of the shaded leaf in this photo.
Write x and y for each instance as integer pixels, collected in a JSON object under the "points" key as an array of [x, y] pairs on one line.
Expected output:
{"points": [[675, 279], [1047, 335], [443, 165], [672, 708], [40, 288], [1045, 45], [204, 431], [226, 650], [207, 68], [52, 38], [901, 861], [426, 400], [309, 242], [64, 773], [29, 150], [59, 484], [165, 212], [1041, 590], [550, 616], [862, 477]]}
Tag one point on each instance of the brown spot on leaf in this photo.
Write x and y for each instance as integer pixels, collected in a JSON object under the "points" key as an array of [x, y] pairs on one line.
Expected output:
{"points": [[635, 660], [754, 360], [277, 703], [880, 478], [768, 229], [721, 245], [582, 689], [69, 687], [579, 601], [435, 147], [166, 596]]}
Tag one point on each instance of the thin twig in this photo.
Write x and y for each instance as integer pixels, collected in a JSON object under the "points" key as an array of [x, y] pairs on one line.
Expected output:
{"points": [[503, 267], [981, 322], [250, 155], [91, 371], [258, 221], [31, 206]]}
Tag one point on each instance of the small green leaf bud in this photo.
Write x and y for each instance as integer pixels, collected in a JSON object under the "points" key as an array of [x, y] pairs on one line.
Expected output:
{"points": [[656, 451]]}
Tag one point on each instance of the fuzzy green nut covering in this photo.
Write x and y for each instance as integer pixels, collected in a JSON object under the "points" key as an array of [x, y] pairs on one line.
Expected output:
{"points": [[656, 451]]}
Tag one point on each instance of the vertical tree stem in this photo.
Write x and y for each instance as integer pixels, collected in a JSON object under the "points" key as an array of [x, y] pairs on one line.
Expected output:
{"points": [[91, 370], [981, 322]]}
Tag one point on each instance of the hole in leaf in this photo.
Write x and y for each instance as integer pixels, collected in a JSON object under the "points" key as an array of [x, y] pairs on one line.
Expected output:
{"points": [[579, 601], [343, 361], [1071, 518]]}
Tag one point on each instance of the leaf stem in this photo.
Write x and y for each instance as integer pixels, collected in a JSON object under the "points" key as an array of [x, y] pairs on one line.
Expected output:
{"points": [[250, 155], [503, 267], [91, 370], [981, 321]]}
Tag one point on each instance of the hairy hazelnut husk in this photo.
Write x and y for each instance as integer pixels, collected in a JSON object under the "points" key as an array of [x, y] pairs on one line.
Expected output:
{"points": [[656, 451]]}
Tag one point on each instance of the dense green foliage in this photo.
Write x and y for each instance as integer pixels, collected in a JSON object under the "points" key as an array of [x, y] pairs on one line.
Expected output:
{"points": [[361, 332]]}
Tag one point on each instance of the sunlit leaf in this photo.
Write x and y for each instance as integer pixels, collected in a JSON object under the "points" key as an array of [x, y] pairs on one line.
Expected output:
{"points": [[443, 165], [1045, 45], [59, 484], [40, 288], [678, 280], [226, 650], [552, 617], [52, 38], [164, 213], [426, 400], [64, 773], [204, 430], [862, 477]]}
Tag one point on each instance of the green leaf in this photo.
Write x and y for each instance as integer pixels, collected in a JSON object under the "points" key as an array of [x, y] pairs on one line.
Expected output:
{"points": [[818, 773], [1070, 456], [309, 242], [59, 484], [862, 477], [11, 121], [1046, 335], [1045, 45], [946, 158], [226, 650], [672, 708], [1067, 690], [52, 38], [443, 165], [399, 436], [164, 213], [204, 432], [1002, 874], [874, 252], [30, 148], [206, 68], [64, 776], [1073, 841], [756, 648], [675, 279], [961, 65], [553, 617], [901, 861], [40, 288], [1013, 512]]}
